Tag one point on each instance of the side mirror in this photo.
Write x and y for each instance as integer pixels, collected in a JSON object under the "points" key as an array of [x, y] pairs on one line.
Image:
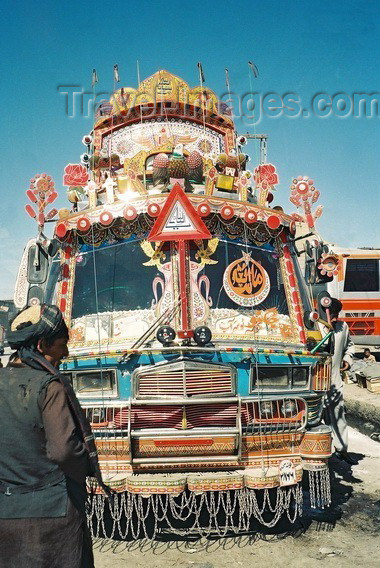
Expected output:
{"points": [[35, 295], [38, 265]]}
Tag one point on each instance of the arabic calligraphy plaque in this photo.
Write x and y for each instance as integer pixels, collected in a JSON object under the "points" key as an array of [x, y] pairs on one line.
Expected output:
{"points": [[178, 220], [246, 282]]}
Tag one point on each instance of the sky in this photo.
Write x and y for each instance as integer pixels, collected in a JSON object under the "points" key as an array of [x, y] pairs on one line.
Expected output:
{"points": [[302, 47]]}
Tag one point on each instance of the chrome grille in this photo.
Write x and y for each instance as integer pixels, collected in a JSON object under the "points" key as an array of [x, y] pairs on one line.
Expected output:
{"points": [[185, 378], [168, 384]]}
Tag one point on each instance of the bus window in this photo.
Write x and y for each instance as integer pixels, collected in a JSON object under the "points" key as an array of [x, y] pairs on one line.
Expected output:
{"points": [[362, 275]]}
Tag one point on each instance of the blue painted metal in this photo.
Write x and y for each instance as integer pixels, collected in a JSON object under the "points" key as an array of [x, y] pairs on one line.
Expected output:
{"points": [[241, 361]]}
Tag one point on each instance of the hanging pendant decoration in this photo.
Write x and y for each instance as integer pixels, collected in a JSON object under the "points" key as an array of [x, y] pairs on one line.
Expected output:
{"points": [[319, 485], [226, 510], [246, 282]]}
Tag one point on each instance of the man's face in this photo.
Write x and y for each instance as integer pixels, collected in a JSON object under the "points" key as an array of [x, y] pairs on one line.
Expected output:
{"points": [[55, 352], [334, 317]]}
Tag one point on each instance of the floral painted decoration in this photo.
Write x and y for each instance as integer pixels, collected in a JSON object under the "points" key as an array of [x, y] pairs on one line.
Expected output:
{"points": [[329, 264], [265, 175], [75, 175], [41, 192], [304, 194], [266, 178]]}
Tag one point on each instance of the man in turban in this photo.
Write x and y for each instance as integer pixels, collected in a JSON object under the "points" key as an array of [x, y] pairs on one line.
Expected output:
{"points": [[334, 413], [45, 457]]}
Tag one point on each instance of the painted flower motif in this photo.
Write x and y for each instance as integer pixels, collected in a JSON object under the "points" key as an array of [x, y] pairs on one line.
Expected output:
{"points": [[124, 148], [303, 188], [77, 334], [79, 259], [41, 192], [75, 174], [42, 184], [329, 264], [285, 330], [266, 173], [198, 312], [303, 194], [204, 146]]}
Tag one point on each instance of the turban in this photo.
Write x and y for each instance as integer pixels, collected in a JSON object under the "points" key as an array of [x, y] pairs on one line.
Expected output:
{"points": [[34, 323]]}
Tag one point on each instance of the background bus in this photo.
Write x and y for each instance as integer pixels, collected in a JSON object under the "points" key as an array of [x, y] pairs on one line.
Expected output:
{"points": [[357, 286]]}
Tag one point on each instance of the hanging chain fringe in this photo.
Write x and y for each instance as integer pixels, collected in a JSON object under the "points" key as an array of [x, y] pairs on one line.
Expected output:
{"points": [[130, 515], [319, 486]]}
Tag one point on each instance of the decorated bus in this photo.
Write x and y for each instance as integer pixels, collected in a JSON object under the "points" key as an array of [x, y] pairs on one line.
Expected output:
{"points": [[195, 349]]}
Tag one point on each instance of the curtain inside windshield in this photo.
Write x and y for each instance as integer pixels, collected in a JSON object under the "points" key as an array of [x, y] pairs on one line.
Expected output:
{"points": [[121, 282]]}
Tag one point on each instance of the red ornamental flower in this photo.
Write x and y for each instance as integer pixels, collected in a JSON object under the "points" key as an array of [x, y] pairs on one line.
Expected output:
{"points": [[266, 173], [41, 184], [329, 264], [75, 174]]}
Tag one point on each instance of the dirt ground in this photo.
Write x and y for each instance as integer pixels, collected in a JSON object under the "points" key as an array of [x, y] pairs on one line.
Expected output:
{"points": [[345, 536]]}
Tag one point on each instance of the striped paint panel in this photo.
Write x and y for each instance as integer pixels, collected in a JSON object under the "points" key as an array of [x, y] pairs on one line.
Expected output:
{"points": [[207, 415], [170, 416], [143, 417]]}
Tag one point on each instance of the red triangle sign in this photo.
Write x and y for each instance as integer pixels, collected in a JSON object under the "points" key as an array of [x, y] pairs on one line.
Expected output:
{"points": [[178, 220]]}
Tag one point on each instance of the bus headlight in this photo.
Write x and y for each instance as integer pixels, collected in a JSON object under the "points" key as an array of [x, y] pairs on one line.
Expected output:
{"points": [[266, 408], [288, 408]]}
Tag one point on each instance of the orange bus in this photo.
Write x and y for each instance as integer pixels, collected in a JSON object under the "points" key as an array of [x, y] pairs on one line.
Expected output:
{"points": [[357, 286]]}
